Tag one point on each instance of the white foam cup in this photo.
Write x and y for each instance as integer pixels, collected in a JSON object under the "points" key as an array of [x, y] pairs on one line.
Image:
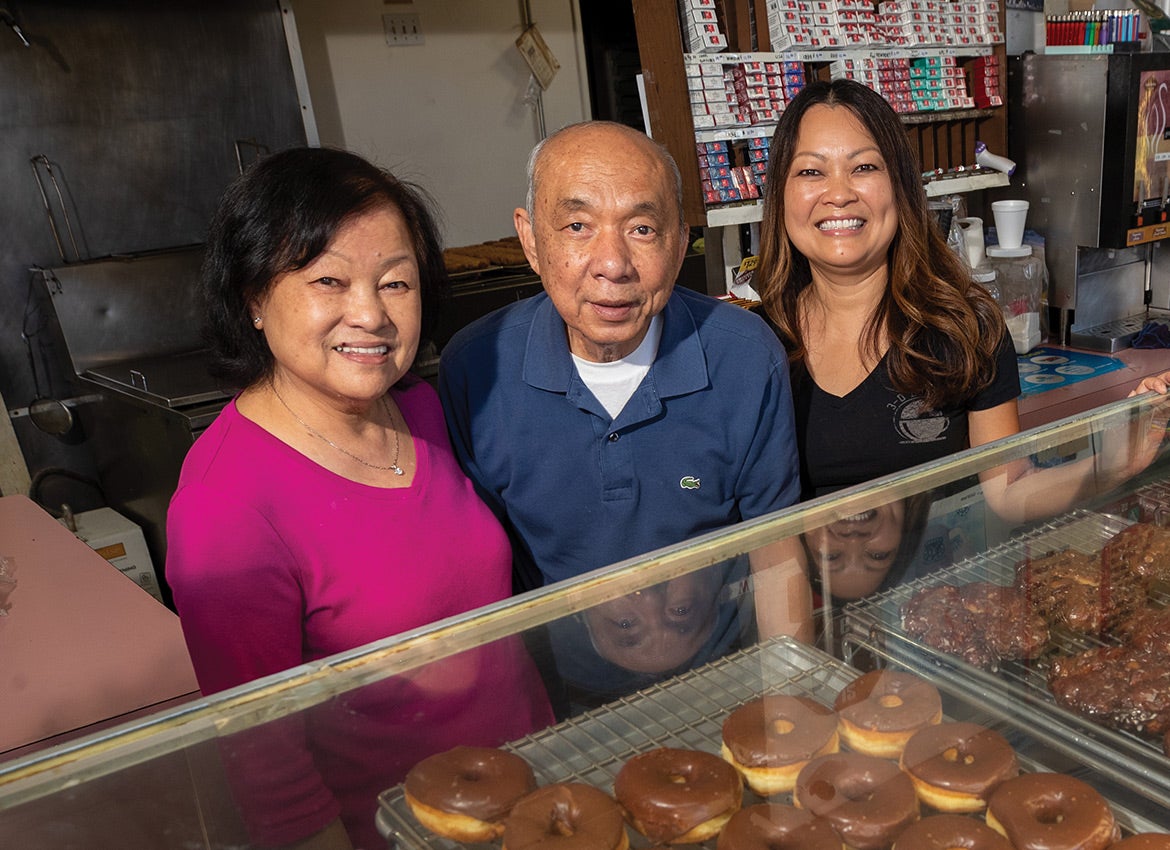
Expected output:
{"points": [[972, 229], [1009, 222]]}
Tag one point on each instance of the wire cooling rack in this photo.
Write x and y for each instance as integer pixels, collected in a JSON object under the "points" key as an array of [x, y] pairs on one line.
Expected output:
{"points": [[875, 624], [686, 712]]}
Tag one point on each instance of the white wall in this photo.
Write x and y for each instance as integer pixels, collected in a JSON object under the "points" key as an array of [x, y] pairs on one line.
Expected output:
{"points": [[450, 114]]}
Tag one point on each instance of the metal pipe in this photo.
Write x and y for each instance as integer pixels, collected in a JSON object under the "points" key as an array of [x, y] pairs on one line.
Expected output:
{"points": [[536, 90], [43, 161], [10, 22]]}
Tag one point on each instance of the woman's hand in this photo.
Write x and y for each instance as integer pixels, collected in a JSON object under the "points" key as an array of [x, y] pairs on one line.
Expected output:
{"points": [[1153, 384], [1126, 451]]}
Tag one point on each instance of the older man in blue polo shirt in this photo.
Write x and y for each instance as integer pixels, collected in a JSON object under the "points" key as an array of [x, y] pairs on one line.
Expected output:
{"points": [[614, 414]]}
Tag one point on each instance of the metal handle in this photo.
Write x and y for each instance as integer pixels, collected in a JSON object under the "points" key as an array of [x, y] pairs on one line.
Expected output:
{"points": [[43, 161]]}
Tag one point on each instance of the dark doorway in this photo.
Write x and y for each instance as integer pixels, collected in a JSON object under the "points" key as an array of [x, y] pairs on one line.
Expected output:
{"points": [[611, 48]]}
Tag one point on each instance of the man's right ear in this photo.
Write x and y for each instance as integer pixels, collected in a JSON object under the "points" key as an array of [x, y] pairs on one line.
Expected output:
{"points": [[523, 226]]}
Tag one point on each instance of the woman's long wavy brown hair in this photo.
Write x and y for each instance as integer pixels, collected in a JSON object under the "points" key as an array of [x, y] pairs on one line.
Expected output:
{"points": [[943, 328]]}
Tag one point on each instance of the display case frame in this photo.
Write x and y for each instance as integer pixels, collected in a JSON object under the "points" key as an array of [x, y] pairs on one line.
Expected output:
{"points": [[57, 783]]}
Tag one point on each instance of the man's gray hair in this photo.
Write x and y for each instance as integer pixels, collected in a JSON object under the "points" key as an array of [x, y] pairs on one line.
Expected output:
{"points": [[663, 153]]}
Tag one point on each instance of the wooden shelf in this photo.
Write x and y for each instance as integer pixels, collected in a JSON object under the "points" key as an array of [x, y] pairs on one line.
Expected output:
{"points": [[948, 115], [818, 56], [970, 183], [747, 212]]}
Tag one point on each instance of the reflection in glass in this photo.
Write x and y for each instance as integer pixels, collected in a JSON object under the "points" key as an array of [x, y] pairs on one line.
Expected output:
{"points": [[633, 641], [860, 554]]}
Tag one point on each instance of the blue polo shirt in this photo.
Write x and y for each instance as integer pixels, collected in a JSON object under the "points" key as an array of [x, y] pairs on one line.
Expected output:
{"points": [[706, 440]]}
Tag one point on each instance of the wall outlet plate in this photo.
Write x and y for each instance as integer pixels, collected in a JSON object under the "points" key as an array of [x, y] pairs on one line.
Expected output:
{"points": [[402, 29]]}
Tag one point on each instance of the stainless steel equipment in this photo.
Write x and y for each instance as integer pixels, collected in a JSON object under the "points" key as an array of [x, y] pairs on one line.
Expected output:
{"points": [[131, 327], [1088, 133]]}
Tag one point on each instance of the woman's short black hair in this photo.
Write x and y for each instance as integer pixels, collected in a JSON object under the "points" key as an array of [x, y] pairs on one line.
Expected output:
{"points": [[278, 217]]}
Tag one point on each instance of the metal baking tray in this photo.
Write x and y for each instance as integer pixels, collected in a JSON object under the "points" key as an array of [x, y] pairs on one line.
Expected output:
{"points": [[1019, 687], [688, 712]]}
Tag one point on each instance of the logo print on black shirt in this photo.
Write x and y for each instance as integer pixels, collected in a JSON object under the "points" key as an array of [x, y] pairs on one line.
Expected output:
{"points": [[918, 424]]}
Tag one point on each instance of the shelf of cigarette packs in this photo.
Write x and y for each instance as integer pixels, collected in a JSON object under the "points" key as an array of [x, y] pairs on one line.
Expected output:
{"points": [[735, 101], [935, 61], [894, 24]]}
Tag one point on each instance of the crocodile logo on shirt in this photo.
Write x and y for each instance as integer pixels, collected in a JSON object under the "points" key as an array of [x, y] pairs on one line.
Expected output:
{"points": [[689, 482]]}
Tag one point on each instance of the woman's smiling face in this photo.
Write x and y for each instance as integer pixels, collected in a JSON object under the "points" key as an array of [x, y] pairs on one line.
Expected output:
{"points": [[839, 206], [855, 553], [346, 326]]}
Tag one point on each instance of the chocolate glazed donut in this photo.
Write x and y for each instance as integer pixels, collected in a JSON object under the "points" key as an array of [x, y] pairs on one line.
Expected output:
{"points": [[675, 796], [770, 739], [566, 816], [950, 832], [956, 766], [868, 800], [770, 826], [465, 792], [1050, 811], [880, 710]]}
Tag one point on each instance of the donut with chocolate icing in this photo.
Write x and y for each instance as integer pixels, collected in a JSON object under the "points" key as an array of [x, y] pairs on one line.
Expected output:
{"points": [[466, 792], [1051, 811], [1075, 592], [868, 800], [1143, 841], [956, 766], [950, 832], [675, 796], [879, 711], [770, 826], [1008, 625], [566, 816], [770, 739], [1143, 549]]}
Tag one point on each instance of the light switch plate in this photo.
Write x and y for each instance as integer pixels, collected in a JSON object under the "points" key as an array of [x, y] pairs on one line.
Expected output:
{"points": [[402, 29]]}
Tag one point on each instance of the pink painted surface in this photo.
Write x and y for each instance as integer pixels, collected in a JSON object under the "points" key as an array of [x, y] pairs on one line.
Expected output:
{"points": [[81, 643]]}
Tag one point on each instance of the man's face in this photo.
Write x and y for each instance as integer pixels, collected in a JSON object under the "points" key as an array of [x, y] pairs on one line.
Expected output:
{"points": [[606, 237], [657, 629]]}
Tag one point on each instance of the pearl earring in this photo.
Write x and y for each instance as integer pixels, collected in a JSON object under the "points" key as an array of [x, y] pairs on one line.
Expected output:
{"points": [[256, 321]]}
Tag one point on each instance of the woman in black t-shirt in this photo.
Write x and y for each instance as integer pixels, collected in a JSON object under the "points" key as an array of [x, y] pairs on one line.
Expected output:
{"points": [[897, 356]]}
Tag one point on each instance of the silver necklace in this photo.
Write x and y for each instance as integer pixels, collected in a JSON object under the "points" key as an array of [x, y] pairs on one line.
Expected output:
{"points": [[393, 467]]}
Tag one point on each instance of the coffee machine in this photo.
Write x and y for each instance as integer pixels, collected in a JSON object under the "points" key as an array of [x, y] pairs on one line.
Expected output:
{"points": [[1091, 135]]}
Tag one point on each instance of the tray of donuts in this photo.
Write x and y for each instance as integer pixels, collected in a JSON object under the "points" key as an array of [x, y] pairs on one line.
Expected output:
{"points": [[1068, 622], [776, 746], [466, 262]]}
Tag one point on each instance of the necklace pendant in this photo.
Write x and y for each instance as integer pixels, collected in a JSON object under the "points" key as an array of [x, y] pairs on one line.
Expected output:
{"points": [[398, 470]]}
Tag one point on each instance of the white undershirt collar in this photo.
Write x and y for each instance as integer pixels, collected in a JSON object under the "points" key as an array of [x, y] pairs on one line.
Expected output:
{"points": [[614, 383]]}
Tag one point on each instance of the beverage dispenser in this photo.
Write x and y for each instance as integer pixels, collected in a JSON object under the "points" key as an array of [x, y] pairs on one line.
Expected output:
{"points": [[1091, 135]]}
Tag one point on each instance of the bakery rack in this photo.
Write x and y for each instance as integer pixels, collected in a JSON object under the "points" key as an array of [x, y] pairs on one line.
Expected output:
{"points": [[688, 712], [1017, 689]]}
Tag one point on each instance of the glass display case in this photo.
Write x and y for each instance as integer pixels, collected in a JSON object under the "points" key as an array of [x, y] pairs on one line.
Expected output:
{"points": [[655, 652]]}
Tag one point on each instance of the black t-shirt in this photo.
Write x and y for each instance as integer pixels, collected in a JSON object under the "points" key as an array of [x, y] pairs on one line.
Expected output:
{"points": [[875, 430]]}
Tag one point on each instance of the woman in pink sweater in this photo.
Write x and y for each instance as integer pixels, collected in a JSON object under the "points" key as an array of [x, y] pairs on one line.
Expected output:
{"points": [[324, 509]]}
